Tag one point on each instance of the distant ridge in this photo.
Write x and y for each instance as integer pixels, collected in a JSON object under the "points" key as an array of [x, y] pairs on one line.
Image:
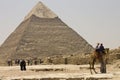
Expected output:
{"points": [[42, 34]]}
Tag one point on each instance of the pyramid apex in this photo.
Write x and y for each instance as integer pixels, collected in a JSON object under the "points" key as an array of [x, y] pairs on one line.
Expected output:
{"points": [[41, 11], [40, 3]]}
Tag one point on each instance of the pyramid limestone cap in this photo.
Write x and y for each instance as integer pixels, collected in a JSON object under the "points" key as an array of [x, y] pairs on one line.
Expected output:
{"points": [[41, 11]]}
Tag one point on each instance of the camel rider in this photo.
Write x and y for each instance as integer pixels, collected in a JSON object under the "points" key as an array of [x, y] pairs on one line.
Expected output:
{"points": [[97, 48], [101, 48]]}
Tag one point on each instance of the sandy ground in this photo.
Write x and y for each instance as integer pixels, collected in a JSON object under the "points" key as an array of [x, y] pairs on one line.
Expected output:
{"points": [[61, 72]]}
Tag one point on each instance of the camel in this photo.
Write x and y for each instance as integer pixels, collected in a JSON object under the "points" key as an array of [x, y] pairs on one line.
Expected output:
{"points": [[101, 57]]}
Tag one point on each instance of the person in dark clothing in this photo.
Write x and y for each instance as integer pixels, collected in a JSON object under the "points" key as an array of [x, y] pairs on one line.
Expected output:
{"points": [[101, 48], [23, 65]]}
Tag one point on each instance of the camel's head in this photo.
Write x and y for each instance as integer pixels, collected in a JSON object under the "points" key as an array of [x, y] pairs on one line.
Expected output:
{"points": [[106, 50]]}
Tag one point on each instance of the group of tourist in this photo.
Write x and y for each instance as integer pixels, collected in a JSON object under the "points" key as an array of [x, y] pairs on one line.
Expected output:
{"points": [[23, 63]]}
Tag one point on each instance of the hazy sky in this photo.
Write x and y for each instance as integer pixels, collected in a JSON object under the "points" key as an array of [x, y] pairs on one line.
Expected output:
{"points": [[95, 20]]}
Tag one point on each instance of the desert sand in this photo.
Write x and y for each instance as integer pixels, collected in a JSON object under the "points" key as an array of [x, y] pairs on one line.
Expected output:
{"points": [[58, 72]]}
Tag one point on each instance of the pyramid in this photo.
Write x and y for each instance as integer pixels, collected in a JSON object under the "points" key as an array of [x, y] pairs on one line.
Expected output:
{"points": [[42, 33]]}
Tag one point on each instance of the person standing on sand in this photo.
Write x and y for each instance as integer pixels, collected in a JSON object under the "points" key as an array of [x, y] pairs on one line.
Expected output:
{"points": [[23, 65]]}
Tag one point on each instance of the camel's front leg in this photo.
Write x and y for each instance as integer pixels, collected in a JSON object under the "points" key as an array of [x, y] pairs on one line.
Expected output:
{"points": [[93, 63], [90, 67]]}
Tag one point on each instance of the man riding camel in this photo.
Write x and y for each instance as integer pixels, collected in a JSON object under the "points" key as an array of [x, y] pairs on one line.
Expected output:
{"points": [[100, 48], [97, 48], [99, 54]]}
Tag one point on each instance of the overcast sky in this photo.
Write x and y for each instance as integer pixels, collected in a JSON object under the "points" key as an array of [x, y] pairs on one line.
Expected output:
{"points": [[95, 20]]}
